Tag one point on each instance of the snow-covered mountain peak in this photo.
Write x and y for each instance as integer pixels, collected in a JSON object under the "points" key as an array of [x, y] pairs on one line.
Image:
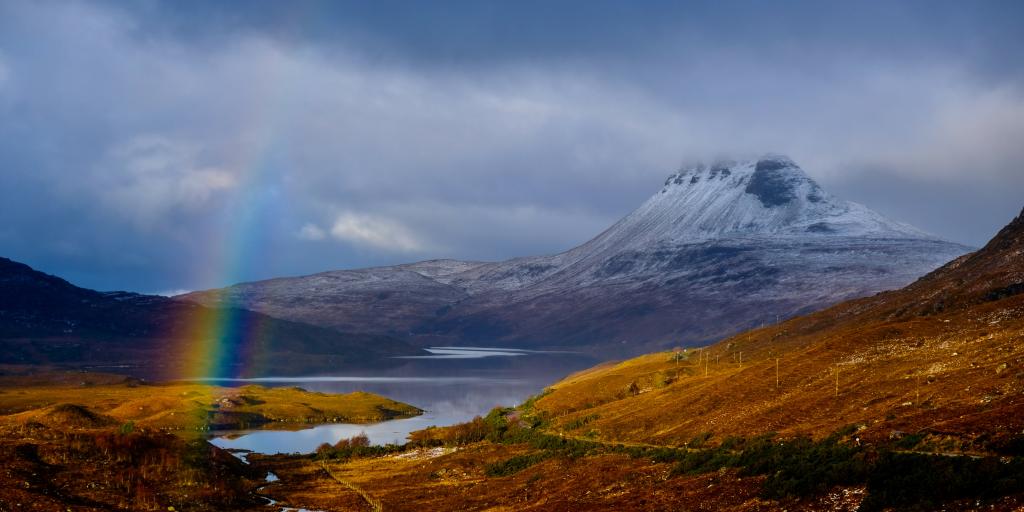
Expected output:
{"points": [[775, 180], [770, 196]]}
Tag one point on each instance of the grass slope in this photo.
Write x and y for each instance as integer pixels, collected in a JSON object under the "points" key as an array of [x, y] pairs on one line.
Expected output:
{"points": [[908, 400], [190, 406], [942, 355]]}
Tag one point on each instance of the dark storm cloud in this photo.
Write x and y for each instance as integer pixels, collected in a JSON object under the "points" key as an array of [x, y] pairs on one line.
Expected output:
{"points": [[142, 141]]}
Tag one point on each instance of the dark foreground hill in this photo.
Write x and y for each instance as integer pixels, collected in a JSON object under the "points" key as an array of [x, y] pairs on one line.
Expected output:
{"points": [[46, 320]]}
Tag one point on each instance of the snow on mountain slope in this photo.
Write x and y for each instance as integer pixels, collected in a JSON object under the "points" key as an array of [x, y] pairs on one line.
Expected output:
{"points": [[770, 196], [766, 201], [716, 249], [440, 270], [383, 299]]}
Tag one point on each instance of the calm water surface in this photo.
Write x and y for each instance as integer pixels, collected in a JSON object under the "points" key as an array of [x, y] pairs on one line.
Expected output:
{"points": [[452, 385]]}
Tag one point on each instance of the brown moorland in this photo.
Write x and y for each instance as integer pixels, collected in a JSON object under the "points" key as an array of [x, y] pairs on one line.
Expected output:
{"points": [[909, 400], [190, 406], [942, 355], [82, 441]]}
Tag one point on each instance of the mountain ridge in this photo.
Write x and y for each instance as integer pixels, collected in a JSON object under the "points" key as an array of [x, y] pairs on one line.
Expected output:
{"points": [[718, 248], [45, 319]]}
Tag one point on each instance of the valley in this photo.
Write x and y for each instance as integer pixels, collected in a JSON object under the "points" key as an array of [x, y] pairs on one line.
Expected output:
{"points": [[742, 390], [909, 399], [479, 256]]}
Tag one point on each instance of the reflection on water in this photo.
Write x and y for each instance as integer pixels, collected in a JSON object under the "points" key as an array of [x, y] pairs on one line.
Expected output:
{"points": [[304, 441], [350, 378], [449, 389], [475, 353]]}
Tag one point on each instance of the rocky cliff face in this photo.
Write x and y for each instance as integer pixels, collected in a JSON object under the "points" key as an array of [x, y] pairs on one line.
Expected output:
{"points": [[717, 249]]}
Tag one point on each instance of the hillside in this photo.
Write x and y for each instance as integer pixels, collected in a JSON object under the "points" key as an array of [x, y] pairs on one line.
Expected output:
{"points": [[186, 407], [942, 355], [908, 400], [718, 249], [46, 320], [99, 442]]}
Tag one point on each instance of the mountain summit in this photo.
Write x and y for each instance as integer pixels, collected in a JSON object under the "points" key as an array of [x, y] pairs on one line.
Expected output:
{"points": [[769, 196], [717, 249]]}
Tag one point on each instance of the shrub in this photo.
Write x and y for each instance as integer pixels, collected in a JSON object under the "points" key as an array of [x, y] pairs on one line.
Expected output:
{"points": [[699, 440], [923, 482], [528, 405], [427, 437], [731, 442], [802, 467], [795, 467], [324, 451], [580, 422], [357, 441], [355, 446], [909, 441], [473, 431], [516, 464], [1012, 444]]}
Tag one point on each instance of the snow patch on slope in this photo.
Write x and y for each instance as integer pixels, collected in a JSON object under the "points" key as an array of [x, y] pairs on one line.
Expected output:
{"points": [[769, 196]]}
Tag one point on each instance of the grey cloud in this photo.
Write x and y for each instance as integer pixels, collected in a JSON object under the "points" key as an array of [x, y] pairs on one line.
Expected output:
{"points": [[134, 154]]}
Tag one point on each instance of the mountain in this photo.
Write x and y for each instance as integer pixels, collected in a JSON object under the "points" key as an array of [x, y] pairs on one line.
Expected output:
{"points": [[717, 249], [941, 357], [908, 400], [47, 320]]}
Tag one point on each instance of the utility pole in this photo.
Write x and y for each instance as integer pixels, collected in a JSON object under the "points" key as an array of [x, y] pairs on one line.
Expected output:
{"points": [[837, 380], [776, 373], [677, 355]]}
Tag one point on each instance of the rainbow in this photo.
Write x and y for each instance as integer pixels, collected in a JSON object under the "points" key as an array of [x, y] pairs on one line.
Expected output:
{"points": [[227, 342], [223, 343]]}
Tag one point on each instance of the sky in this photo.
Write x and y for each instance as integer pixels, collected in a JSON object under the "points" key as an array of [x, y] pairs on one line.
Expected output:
{"points": [[167, 146]]}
